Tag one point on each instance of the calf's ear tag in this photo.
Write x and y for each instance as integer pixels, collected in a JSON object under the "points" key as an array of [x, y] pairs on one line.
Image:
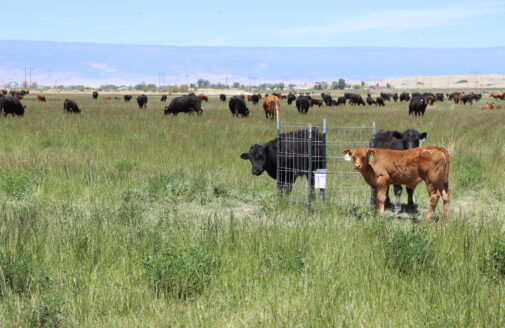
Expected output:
{"points": [[347, 157], [372, 158]]}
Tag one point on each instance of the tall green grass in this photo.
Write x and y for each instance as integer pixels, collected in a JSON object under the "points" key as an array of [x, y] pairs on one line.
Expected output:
{"points": [[126, 218]]}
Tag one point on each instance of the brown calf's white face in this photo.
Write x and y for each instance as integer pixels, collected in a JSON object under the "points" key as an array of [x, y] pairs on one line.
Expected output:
{"points": [[360, 157]]}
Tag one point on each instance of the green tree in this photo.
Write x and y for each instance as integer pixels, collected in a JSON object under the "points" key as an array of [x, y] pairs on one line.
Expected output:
{"points": [[203, 83], [235, 85], [341, 84]]}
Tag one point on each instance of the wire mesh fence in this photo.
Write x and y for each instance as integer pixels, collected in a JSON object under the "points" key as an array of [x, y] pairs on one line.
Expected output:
{"points": [[311, 169]]}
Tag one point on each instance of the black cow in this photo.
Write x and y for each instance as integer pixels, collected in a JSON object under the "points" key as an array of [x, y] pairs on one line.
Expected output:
{"points": [[127, 98], [238, 107], [95, 95], [356, 100], [4, 92], [370, 101], [316, 102], [385, 96], [327, 100], [185, 104], [417, 105], [11, 105], [293, 161], [303, 104], [255, 99], [440, 96], [399, 141], [404, 96], [466, 98], [291, 97], [70, 106], [379, 101], [163, 98], [222, 97], [142, 101], [341, 101]]}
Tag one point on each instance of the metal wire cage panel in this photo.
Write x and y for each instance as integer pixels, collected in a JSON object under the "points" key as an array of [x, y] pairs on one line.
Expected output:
{"points": [[314, 153]]}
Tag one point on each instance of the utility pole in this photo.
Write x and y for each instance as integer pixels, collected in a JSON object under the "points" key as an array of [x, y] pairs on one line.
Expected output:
{"points": [[30, 70]]}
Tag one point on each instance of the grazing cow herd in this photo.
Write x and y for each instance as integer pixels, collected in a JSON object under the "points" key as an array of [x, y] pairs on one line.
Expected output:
{"points": [[418, 102], [397, 158]]}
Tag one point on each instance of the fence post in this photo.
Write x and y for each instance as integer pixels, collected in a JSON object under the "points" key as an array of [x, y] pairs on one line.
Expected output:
{"points": [[372, 145], [309, 173], [324, 161], [278, 146]]}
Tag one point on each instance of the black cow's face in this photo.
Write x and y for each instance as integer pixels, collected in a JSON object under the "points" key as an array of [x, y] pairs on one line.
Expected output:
{"points": [[411, 138], [258, 156]]}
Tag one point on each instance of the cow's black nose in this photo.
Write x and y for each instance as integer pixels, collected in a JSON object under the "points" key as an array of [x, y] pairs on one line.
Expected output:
{"points": [[357, 166]]}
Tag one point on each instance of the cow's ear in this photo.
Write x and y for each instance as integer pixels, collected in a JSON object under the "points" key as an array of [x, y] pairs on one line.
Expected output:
{"points": [[245, 156], [398, 135], [423, 136], [348, 154]]}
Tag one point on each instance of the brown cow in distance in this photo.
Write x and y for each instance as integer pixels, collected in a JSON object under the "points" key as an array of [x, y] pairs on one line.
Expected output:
{"points": [[41, 97], [490, 106], [498, 95], [271, 106], [383, 167], [203, 97]]}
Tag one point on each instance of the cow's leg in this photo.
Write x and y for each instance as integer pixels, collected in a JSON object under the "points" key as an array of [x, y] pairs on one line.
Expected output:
{"points": [[388, 200], [410, 202], [446, 193], [435, 194], [381, 197], [398, 194]]}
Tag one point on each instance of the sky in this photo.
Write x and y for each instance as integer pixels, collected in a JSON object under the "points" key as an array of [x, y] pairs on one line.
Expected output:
{"points": [[323, 23]]}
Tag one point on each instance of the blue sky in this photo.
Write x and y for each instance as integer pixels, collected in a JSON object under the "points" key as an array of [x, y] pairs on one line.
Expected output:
{"points": [[260, 23]]}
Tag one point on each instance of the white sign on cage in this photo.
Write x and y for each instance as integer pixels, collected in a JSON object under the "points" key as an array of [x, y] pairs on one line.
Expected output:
{"points": [[320, 179]]}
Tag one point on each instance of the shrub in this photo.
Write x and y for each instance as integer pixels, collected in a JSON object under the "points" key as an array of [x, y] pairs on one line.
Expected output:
{"points": [[408, 251], [182, 272], [498, 255], [18, 184], [494, 260], [47, 311], [16, 272]]}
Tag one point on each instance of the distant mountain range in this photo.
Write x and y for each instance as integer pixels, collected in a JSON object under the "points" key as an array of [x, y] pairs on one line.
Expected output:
{"points": [[64, 63]]}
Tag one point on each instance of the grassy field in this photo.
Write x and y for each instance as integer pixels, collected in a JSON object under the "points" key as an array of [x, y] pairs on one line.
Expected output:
{"points": [[121, 217]]}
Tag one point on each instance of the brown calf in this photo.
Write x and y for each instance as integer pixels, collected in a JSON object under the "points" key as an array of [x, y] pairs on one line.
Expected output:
{"points": [[41, 97], [271, 106], [203, 97], [487, 106], [383, 167]]}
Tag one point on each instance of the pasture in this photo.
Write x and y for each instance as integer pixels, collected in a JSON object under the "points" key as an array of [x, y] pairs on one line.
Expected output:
{"points": [[120, 217]]}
